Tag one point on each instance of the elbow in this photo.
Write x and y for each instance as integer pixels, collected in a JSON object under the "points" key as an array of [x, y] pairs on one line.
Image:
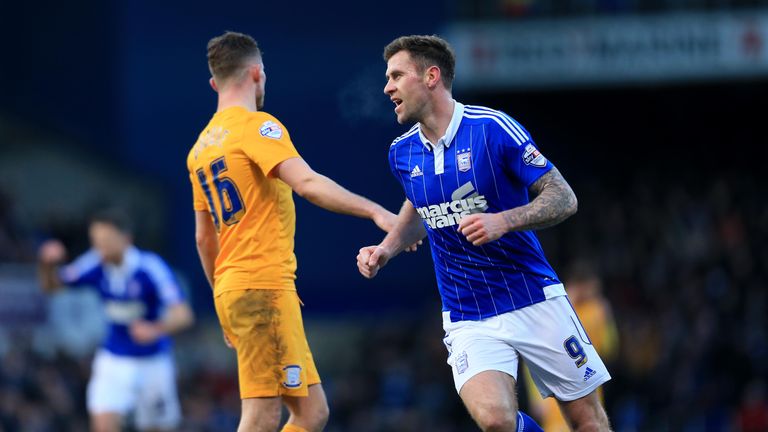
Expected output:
{"points": [[302, 189], [202, 240], [189, 318], [305, 189], [184, 317], [572, 207]]}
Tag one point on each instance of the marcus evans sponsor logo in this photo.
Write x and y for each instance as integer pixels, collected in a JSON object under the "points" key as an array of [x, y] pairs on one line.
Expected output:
{"points": [[465, 201]]}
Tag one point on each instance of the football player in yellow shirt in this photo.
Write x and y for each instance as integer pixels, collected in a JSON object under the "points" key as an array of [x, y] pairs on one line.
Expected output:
{"points": [[585, 292], [244, 169]]}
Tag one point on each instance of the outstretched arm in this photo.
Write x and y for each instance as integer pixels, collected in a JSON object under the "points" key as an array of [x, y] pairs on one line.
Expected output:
{"points": [[554, 203], [326, 193], [407, 232]]}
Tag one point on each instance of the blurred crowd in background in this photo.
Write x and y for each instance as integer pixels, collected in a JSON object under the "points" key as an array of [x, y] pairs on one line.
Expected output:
{"points": [[684, 270], [103, 101]]}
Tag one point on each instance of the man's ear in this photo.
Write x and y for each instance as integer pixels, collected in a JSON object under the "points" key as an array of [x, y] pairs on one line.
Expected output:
{"points": [[432, 77], [212, 82], [255, 72]]}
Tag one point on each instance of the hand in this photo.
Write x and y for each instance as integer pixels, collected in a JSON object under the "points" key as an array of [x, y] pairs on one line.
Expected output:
{"points": [[385, 220], [145, 332], [52, 252], [413, 247], [481, 228], [227, 342], [371, 259]]}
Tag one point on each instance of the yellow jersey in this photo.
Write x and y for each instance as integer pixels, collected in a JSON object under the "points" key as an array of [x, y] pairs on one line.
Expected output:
{"points": [[230, 167]]}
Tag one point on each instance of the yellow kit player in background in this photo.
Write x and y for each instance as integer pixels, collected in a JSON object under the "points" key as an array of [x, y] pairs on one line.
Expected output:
{"points": [[585, 292], [243, 169]]}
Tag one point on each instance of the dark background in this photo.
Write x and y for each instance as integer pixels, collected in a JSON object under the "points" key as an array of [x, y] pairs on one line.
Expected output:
{"points": [[670, 180]]}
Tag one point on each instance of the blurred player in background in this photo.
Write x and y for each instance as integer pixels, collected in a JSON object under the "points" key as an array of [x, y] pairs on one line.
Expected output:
{"points": [[467, 172], [244, 169], [585, 292], [133, 372]]}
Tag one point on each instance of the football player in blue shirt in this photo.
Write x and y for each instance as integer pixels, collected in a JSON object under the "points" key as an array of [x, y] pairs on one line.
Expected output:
{"points": [[477, 186], [133, 372]]}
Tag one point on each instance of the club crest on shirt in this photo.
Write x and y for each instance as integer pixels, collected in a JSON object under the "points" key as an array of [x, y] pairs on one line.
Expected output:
{"points": [[271, 129], [464, 160], [531, 156], [292, 376]]}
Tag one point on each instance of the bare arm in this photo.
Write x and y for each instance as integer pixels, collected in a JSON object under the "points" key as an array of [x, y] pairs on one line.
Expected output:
{"points": [[207, 243], [408, 230], [178, 317], [326, 193], [52, 253], [554, 203], [208, 248]]}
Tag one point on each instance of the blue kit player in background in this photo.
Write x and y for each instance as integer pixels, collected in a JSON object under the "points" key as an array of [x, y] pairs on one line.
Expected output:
{"points": [[133, 372], [477, 186]]}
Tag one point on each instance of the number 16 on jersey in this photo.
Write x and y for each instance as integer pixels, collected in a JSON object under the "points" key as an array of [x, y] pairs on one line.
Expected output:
{"points": [[229, 198]]}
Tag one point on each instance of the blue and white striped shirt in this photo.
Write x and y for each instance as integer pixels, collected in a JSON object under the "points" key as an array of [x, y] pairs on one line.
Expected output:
{"points": [[486, 162], [141, 287]]}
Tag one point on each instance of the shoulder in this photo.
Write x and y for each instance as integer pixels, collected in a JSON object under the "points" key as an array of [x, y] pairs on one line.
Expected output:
{"points": [[266, 125], [497, 121], [153, 264], [413, 131]]}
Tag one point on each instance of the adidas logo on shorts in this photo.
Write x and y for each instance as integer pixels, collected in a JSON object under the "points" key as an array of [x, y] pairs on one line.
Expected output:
{"points": [[589, 373]]}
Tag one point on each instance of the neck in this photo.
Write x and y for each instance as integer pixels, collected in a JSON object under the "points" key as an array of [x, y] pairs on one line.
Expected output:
{"points": [[436, 122], [233, 97], [116, 260]]}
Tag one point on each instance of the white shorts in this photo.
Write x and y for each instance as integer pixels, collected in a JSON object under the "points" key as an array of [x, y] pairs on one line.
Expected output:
{"points": [[144, 386], [549, 337]]}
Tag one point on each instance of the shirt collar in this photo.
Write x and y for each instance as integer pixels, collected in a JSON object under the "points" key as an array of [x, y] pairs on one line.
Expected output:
{"points": [[131, 258], [450, 132]]}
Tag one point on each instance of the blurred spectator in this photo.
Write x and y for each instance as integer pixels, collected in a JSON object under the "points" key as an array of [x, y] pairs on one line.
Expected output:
{"points": [[683, 266], [585, 292]]}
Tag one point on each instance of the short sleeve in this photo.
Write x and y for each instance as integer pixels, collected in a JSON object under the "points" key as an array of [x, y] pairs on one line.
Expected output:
{"points": [[267, 143], [198, 197], [393, 164], [168, 290], [521, 158], [85, 270]]}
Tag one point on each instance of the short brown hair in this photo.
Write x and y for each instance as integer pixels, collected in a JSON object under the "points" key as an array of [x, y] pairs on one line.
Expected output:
{"points": [[426, 51], [115, 217], [228, 53]]}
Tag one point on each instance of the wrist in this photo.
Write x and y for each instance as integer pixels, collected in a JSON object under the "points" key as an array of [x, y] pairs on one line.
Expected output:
{"points": [[375, 211], [387, 249], [162, 329], [507, 221]]}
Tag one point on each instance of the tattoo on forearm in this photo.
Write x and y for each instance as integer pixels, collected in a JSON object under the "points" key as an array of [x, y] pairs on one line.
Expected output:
{"points": [[555, 202]]}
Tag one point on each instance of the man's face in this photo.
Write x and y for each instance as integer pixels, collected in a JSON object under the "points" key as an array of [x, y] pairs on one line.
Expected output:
{"points": [[261, 88], [406, 87], [109, 241]]}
